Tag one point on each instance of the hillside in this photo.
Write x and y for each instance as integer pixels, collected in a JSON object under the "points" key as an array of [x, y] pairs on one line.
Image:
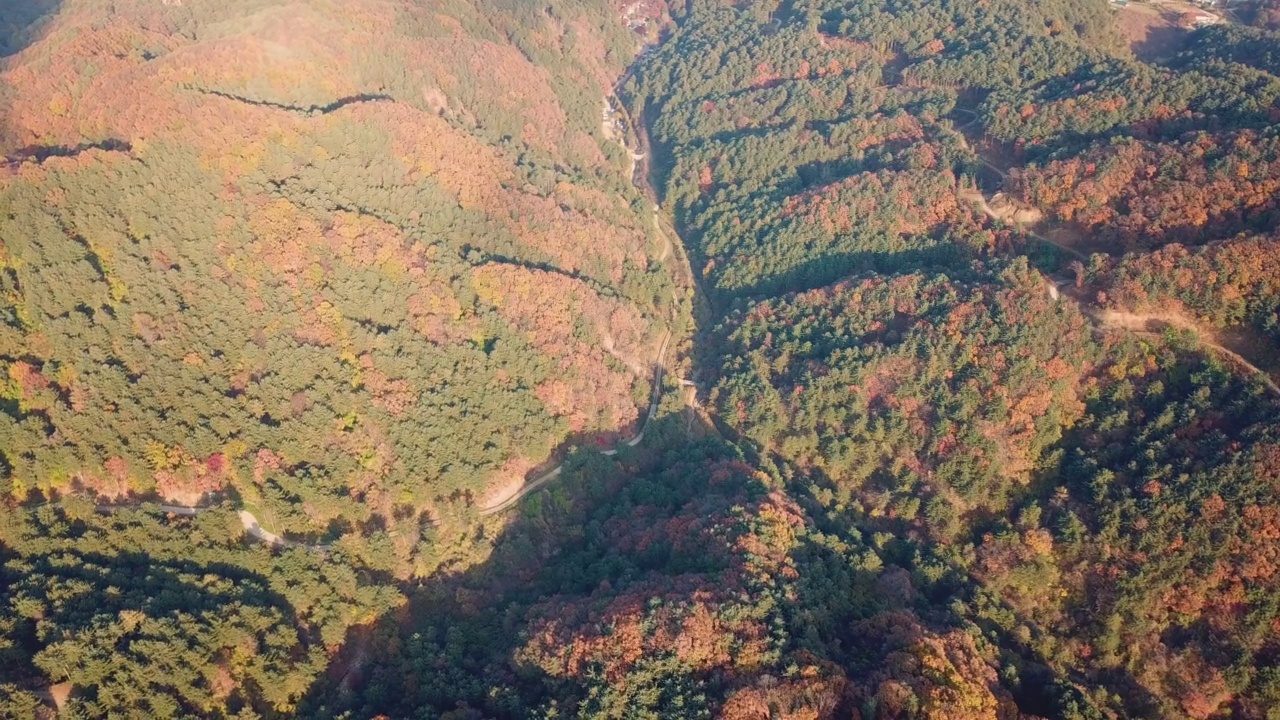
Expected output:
{"points": [[280, 262], [352, 371], [988, 291], [355, 267]]}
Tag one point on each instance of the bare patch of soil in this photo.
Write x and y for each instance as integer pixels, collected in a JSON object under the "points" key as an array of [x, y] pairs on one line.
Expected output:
{"points": [[1154, 33], [507, 483], [1231, 344]]}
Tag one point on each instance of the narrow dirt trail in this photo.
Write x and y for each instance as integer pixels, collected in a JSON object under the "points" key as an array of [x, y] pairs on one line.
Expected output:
{"points": [[1151, 324], [977, 198], [255, 529], [1140, 324], [666, 241], [972, 195], [252, 527], [534, 485], [638, 161], [247, 519], [1061, 246], [1137, 323]]}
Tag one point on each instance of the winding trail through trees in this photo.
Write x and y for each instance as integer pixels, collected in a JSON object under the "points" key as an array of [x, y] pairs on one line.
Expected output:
{"points": [[1140, 324], [980, 200], [555, 472], [247, 519], [1136, 323], [254, 529], [1149, 325], [639, 177]]}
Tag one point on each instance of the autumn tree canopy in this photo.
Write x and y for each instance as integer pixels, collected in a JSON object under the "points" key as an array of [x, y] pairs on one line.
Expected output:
{"points": [[967, 321]]}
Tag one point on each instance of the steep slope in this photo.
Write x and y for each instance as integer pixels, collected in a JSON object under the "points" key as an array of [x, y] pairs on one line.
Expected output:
{"points": [[893, 209], [352, 261], [688, 586], [353, 267], [977, 442]]}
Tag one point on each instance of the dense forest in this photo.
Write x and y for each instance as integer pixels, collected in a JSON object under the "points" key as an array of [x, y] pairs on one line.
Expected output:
{"points": [[355, 269], [298, 291], [969, 407]]}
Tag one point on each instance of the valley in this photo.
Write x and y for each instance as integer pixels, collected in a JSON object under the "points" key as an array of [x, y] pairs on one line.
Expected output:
{"points": [[773, 359]]}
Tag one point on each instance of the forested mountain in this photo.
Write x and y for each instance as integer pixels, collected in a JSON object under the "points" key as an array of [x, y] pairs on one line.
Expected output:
{"points": [[1061, 452], [970, 405], [244, 251], [353, 267]]}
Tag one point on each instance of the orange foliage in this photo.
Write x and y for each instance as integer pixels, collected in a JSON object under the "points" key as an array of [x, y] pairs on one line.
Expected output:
{"points": [[815, 693], [549, 309], [699, 618], [1145, 194], [899, 201], [929, 675], [1220, 282]]}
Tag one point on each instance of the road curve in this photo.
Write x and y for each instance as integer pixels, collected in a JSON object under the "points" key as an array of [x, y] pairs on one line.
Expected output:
{"points": [[254, 529], [554, 473], [1136, 323], [247, 519], [658, 366]]}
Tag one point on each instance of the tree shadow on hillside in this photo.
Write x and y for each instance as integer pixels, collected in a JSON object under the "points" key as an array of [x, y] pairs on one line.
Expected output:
{"points": [[1162, 39], [91, 605], [40, 153], [828, 268], [453, 649], [20, 23], [908, 583]]}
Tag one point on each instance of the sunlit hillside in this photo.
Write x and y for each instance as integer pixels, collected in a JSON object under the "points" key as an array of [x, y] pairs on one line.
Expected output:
{"points": [[299, 245], [756, 360]]}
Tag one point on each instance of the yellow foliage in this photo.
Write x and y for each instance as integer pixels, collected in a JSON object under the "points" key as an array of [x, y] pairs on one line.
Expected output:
{"points": [[118, 289], [157, 455], [58, 107]]}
